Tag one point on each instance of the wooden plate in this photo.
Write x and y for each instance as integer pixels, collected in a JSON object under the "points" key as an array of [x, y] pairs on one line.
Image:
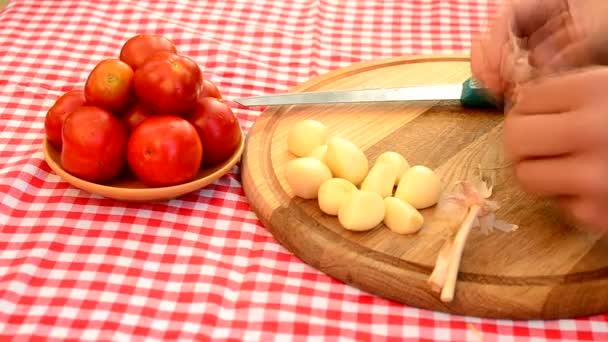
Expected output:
{"points": [[546, 269], [127, 188]]}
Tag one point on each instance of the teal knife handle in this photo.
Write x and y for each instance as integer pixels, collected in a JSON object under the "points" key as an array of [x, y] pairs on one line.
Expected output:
{"points": [[475, 96]]}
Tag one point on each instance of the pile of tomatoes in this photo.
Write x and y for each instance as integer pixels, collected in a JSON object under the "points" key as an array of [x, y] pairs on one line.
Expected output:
{"points": [[150, 111]]}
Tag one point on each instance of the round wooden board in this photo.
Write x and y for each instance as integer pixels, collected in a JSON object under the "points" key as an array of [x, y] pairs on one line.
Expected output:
{"points": [[544, 270]]}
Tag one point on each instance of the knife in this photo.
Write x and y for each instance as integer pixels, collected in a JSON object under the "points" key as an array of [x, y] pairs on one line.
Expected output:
{"points": [[470, 94]]}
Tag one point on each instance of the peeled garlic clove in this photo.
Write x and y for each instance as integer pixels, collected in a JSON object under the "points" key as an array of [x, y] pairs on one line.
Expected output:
{"points": [[305, 176], [361, 211], [396, 161], [401, 217], [346, 160], [420, 187], [380, 179], [320, 153], [305, 136], [333, 193]]}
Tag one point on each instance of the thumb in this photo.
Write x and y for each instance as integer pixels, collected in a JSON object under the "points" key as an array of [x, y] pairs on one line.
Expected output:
{"points": [[481, 70]]}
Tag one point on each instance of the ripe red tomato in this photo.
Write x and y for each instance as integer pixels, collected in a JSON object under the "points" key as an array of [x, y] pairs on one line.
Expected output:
{"points": [[63, 106], [135, 115], [110, 85], [94, 144], [138, 48], [210, 89], [164, 150], [168, 83], [218, 129]]}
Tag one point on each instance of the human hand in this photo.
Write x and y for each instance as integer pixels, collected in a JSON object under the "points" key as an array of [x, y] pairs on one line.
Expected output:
{"points": [[489, 51], [556, 35], [498, 57], [556, 135], [571, 34]]}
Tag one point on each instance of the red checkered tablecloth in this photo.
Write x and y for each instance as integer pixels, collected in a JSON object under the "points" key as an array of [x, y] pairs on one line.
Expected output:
{"points": [[78, 266]]}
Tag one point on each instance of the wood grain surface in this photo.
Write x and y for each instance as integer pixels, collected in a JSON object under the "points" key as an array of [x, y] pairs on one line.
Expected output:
{"points": [[546, 269]]}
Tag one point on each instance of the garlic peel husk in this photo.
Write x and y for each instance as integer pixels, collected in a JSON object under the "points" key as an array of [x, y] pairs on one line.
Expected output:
{"points": [[453, 207]]}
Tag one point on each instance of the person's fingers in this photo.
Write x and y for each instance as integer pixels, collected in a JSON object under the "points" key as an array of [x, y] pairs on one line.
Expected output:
{"points": [[486, 54], [575, 55], [482, 72], [540, 136], [570, 175], [478, 63], [495, 39], [530, 15], [553, 24], [550, 94], [507, 66], [543, 51], [586, 211], [559, 45], [562, 92]]}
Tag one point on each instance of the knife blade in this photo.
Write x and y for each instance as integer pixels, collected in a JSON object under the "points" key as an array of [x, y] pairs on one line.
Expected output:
{"points": [[470, 94]]}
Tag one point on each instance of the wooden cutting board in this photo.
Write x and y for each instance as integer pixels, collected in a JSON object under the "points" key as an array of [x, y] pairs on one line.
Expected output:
{"points": [[546, 269]]}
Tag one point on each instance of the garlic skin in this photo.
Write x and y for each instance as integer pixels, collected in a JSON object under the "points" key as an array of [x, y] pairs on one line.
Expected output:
{"points": [[459, 211]]}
